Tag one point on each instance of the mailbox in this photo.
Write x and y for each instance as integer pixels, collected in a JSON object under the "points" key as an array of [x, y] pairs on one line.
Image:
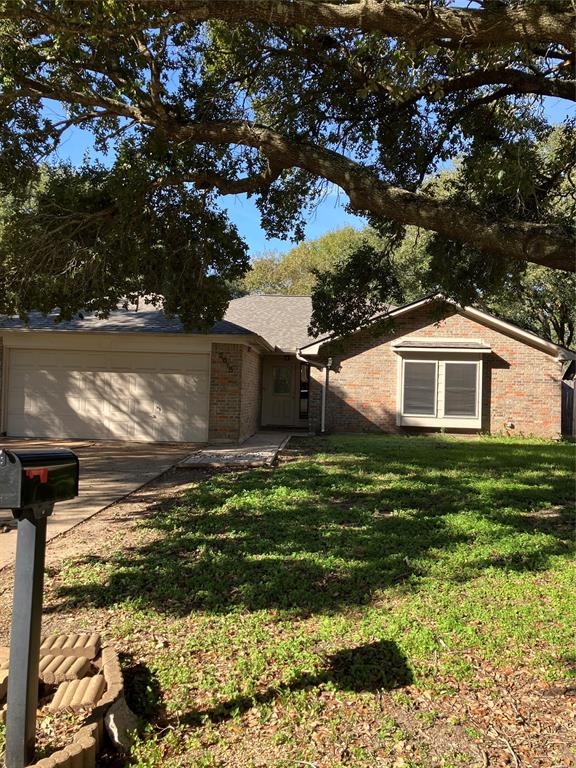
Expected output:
{"points": [[29, 478], [31, 483]]}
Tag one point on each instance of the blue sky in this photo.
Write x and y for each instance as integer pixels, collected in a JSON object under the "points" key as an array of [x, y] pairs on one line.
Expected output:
{"points": [[330, 213]]}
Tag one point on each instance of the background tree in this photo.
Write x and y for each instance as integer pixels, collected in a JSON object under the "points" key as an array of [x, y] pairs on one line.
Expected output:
{"points": [[277, 98], [85, 240], [536, 298], [294, 273]]}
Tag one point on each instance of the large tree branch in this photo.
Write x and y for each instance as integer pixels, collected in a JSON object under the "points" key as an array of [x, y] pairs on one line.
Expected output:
{"points": [[40, 89], [499, 25], [209, 180], [517, 80], [526, 241]]}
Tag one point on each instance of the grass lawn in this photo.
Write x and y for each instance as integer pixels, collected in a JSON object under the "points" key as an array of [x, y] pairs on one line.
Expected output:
{"points": [[373, 601]]}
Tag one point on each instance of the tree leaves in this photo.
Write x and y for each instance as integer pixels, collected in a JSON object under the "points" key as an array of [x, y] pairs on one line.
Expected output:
{"points": [[276, 99], [90, 239]]}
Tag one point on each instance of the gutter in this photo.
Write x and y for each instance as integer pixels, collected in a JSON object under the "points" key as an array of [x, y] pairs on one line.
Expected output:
{"points": [[326, 369]]}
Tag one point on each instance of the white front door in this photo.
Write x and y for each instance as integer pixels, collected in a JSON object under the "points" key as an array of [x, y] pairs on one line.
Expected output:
{"points": [[280, 392]]}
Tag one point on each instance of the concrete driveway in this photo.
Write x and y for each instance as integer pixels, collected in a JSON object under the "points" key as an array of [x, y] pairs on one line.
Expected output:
{"points": [[108, 471]]}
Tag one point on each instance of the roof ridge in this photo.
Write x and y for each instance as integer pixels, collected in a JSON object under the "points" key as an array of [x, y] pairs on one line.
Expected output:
{"points": [[275, 296]]}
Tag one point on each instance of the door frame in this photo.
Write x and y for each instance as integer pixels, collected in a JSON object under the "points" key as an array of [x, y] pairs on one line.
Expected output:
{"points": [[269, 362]]}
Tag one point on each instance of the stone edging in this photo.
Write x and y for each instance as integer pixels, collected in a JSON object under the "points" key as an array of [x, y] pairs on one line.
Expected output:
{"points": [[101, 691]]}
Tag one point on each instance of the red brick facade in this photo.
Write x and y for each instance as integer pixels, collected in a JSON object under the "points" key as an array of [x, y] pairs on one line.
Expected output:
{"points": [[250, 392], [234, 393], [521, 384]]}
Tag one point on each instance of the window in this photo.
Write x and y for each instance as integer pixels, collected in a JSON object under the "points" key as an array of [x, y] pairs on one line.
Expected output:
{"points": [[304, 390], [460, 389], [282, 380], [440, 392], [420, 388]]}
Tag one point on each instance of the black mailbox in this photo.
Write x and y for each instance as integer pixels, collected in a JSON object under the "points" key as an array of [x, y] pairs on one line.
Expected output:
{"points": [[29, 478]]}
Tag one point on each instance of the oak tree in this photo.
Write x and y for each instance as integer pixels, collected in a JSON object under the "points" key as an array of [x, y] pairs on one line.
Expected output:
{"points": [[190, 100]]}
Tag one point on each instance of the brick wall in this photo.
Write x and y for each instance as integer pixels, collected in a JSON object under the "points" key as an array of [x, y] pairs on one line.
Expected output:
{"points": [[225, 392], [520, 383], [250, 393], [234, 393]]}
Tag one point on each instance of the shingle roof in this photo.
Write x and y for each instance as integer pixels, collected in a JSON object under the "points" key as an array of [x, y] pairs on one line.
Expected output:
{"points": [[281, 320]]}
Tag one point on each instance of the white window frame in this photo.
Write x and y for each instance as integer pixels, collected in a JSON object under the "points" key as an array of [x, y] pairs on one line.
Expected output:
{"points": [[477, 405], [422, 415], [440, 419]]}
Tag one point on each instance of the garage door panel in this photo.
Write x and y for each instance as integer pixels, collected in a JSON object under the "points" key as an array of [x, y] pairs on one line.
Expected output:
{"points": [[126, 396]]}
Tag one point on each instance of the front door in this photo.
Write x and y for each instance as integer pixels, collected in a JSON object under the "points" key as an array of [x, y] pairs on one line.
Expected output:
{"points": [[280, 392]]}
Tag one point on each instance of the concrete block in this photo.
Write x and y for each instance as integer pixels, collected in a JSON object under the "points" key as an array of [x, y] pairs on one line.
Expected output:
{"points": [[57, 669], [76, 694], [61, 759], [46, 762], [3, 683], [87, 645], [75, 755], [87, 730], [88, 744]]}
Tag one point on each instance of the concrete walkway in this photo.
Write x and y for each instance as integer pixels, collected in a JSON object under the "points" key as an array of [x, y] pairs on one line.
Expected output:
{"points": [[108, 471], [260, 450]]}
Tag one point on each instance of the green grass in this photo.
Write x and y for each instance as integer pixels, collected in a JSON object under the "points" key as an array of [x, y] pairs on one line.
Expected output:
{"points": [[273, 608]]}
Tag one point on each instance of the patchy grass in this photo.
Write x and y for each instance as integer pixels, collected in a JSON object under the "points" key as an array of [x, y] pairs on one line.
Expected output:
{"points": [[372, 601]]}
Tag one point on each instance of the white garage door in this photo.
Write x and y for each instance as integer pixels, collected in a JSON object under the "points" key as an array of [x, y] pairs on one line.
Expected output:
{"points": [[108, 395]]}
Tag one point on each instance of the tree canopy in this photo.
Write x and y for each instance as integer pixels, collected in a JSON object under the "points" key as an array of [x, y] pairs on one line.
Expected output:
{"points": [[294, 273], [190, 100], [536, 298]]}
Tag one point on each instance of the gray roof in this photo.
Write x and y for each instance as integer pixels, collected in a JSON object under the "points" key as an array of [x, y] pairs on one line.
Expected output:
{"points": [[281, 320]]}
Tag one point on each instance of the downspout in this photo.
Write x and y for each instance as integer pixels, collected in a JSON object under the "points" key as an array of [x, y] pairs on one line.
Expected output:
{"points": [[326, 368]]}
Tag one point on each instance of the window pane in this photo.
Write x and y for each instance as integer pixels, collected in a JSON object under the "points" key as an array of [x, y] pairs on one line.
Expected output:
{"points": [[282, 381], [304, 389], [460, 389], [420, 388]]}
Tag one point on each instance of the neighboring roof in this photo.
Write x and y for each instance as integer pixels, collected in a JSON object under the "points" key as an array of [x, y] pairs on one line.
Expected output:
{"points": [[281, 320], [471, 312], [145, 319]]}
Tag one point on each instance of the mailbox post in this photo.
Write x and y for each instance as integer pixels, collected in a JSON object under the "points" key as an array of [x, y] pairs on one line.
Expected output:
{"points": [[31, 482]]}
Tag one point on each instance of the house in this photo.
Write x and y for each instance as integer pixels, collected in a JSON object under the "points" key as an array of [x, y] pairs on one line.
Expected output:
{"points": [[138, 376]]}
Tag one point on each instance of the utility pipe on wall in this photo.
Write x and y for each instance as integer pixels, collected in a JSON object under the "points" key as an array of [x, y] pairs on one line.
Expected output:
{"points": [[325, 395]]}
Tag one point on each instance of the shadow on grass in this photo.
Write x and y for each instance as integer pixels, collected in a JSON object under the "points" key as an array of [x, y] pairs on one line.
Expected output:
{"points": [[378, 666], [141, 688], [326, 531]]}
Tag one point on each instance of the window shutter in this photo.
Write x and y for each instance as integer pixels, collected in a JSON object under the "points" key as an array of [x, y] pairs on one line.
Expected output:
{"points": [[460, 389], [419, 388]]}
